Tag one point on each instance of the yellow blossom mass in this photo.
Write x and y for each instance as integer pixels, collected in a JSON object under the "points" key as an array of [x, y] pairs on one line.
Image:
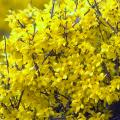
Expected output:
{"points": [[62, 62]]}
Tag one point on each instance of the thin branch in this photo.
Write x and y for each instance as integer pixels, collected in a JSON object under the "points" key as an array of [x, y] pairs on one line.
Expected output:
{"points": [[6, 56], [108, 76], [115, 30], [21, 24], [97, 8], [117, 65], [53, 6], [76, 21], [76, 4], [51, 53], [101, 33], [11, 103], [98, 13], [92, 6], [20, 99], [52, 70], [45, 93], [36, 67], [7, 63], [5, 107], [34, 32]]}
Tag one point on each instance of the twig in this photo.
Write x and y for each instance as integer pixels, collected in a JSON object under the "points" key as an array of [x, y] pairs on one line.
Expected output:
{"points": [[36, 67], [53, 6], [11, 103], [20, 99], [51, 53], [76, 4], [76, 21], [6, 57], [21, 24], [6, 107], [106, 72], [117, 65], [98, 13], [97, 8], [101, 33], [7, 63]]}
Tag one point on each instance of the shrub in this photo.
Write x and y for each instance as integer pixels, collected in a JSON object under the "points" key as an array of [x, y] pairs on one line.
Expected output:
{"points": [[61, 62], [5, 5]]}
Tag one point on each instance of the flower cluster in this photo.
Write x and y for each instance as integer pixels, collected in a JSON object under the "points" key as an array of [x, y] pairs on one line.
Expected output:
{"points": [[5, 5], [62, 62]]}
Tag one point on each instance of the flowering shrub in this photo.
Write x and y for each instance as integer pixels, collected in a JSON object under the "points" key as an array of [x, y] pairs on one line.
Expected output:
{"points": [[5, 5], [61, 62]]}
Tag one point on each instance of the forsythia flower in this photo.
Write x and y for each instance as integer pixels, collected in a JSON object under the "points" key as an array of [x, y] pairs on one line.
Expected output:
{"points": [[5, 5], [62, 62]]}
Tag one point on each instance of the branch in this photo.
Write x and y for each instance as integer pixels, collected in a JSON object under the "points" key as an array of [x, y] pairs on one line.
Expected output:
{"points": [[53, 6], [34, 33], [11, 103], [5, 107], [115, 30], [101, 33], [108, 76], [36, 67], [98, 13], [6, 57], [117, 65], [52, 70], [20, 99], [76, 21], [51, 53], [21, 24], [76, 4], [7, 63], [97, 8]]}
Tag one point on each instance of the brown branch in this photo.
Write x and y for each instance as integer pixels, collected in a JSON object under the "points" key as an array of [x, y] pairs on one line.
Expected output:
{"points": [[45, 93], [34, 32], [105, 70], [20, 99], [98, 13], [97, 8], [21, 24], [36, 67], [5, 107], [76, 4], [53, 6], [117, 65], [11, 103], [52, 70], [101, 33], [51, 53], [115, 30]]}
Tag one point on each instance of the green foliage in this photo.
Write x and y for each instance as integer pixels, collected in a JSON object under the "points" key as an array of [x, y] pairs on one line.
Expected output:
{"points": [[61, 62]]}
